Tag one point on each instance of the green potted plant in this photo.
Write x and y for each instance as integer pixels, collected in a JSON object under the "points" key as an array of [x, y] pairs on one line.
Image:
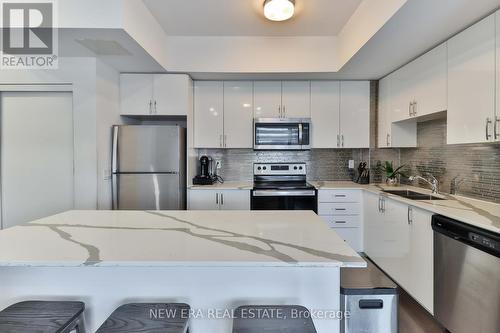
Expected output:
{"points": [[392, 175]]}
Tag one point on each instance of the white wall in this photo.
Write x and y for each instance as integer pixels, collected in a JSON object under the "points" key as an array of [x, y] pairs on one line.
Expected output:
{"points": [[81, 74], [96, 107]]}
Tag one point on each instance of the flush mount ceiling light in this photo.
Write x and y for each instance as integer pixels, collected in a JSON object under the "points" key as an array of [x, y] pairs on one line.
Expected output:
{"points": [[279, 10]]}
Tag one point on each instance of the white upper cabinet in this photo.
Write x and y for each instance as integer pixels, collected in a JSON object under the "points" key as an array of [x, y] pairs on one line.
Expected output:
{"points": [[172, 94], [325, 113], [471, 84], [497, 114], [155, 94], [401, 94], [267, 99], [296, 99], [208, 114], [238, 114], [400, 134], [136, 94], [384, 113], [429, 82], [354, 114]]}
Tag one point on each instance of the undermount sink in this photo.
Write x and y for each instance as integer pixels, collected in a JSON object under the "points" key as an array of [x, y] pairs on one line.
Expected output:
{"points": [[412, 195]]}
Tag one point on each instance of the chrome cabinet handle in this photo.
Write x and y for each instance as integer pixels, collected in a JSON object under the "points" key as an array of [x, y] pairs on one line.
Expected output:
{"points": [[279, 111], [388, 140], [380, 204], [488, 135], [150, 107], [409, 109], [222, 199], [221, 143], [155, 109], [383, 205], [410, 215], [495, 128], [342, 136], [338, 140], [217, 199], [414, 109], [284, 111]]}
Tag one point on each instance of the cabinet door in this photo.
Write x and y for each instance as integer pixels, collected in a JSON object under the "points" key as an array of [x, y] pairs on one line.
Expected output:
{"points": [[172, 95], [203, 199], [430, 82], [355, 114], [401, 94], [325, 113], [208, 114], [238, 114], [296, 99], [136, 94], [235, 200], [372, 225], [384, 119], [471, 83], [267, 99], [420, 283]]}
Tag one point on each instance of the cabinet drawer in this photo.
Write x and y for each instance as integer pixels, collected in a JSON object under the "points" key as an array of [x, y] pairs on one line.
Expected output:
{"points": [[352, 236], [340, 208], [342, 221], [339, 195]]}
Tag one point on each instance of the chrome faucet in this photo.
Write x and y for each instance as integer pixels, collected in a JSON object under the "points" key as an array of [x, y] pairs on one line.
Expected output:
{"points": [[434, 183]]}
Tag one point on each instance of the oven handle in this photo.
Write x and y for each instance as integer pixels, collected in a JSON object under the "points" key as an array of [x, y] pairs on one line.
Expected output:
{"points": [[300, 134], [281, 193]]}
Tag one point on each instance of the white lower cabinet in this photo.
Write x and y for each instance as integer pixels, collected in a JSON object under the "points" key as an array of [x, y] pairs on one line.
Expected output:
{"points": [[208, 199], [399, 239], [342, 211]]}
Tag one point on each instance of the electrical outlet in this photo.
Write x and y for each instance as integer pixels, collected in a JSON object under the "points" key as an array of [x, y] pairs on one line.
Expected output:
{"points": [[218, 164], [351, 164]]}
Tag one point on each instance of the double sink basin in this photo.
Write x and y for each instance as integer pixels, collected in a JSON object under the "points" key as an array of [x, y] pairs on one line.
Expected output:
{"points": [[413, 195]]}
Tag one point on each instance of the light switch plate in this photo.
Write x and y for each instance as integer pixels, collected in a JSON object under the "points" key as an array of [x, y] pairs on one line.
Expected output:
{"points": [[351, 164]]}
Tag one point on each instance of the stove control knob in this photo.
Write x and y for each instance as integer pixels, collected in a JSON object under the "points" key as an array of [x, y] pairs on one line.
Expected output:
{"points": [[300, 168], [265, 168], [294, 168], [259, 168]]}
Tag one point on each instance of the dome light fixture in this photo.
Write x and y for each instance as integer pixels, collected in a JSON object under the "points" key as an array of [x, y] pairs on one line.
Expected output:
{"points": [[279, 10]]}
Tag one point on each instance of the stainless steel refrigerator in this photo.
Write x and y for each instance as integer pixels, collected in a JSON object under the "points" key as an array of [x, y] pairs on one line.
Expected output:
{"points": [[149, 168]]}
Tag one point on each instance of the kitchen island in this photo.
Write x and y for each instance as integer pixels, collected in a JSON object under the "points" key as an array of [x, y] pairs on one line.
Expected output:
{"points": [[212, 260]]}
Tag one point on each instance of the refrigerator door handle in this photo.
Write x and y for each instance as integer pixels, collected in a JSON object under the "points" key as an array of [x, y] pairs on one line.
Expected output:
{"points": [[114, 191], [114, 158]]}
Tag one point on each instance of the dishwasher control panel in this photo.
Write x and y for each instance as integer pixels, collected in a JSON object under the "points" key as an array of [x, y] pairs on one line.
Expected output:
{"points": [[484, 241]]}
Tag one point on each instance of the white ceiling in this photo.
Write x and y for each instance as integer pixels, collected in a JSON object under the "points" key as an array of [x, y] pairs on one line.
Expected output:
{"points": [[245, 17]]}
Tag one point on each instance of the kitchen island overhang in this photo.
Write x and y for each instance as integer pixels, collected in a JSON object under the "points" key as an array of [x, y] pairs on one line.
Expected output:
{"points": [[210, 260]]}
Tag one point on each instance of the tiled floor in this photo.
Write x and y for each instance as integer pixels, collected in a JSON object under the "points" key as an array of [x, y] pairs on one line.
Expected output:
{"points": [[413, 318]]}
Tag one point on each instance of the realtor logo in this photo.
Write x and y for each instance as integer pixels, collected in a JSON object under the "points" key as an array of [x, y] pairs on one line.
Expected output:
{"points": [[29, 38]]}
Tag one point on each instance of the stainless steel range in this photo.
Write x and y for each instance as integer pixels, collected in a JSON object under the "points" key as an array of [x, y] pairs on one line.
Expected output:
{"points": [[282, 186]]}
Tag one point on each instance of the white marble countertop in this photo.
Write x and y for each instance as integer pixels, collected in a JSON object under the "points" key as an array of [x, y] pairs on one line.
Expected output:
{"points": [[176, 238], [224, 186], [478, 213]]}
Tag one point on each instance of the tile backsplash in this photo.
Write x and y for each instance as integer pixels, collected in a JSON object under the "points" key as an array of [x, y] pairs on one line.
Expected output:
{"points": [[322, 164], [477, 164]]}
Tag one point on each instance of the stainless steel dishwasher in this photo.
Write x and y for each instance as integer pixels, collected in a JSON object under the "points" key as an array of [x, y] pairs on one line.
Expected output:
{"points": [[466, 277]]}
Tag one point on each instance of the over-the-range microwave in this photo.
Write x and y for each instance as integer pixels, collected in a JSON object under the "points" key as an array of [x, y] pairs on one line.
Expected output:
{"points": [[282, 134]]}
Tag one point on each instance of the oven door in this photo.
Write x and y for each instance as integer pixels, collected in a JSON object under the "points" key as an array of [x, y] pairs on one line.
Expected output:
{"points": [[281, 134], [284, 200]]}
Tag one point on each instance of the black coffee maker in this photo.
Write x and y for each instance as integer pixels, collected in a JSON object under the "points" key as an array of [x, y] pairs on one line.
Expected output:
{"points": [[205, 174]]}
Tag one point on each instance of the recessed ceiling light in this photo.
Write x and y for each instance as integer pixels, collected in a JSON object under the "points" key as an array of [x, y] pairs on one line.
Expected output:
{"points": [[279, 10]]}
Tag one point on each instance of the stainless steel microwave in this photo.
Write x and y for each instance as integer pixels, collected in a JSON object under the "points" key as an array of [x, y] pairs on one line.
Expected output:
{"points": [[282, 134]]}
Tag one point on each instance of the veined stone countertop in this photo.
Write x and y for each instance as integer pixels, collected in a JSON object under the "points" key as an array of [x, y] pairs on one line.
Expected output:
{"points": [[481, 214], [224, 186], [177, 238]]}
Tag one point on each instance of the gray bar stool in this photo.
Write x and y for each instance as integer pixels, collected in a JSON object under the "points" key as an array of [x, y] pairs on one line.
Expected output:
{"points": [[273, 319], [148, 318], [43, 317]]}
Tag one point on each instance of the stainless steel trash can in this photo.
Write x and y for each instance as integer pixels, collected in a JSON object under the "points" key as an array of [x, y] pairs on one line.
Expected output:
{"points": [[369, 300]]}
